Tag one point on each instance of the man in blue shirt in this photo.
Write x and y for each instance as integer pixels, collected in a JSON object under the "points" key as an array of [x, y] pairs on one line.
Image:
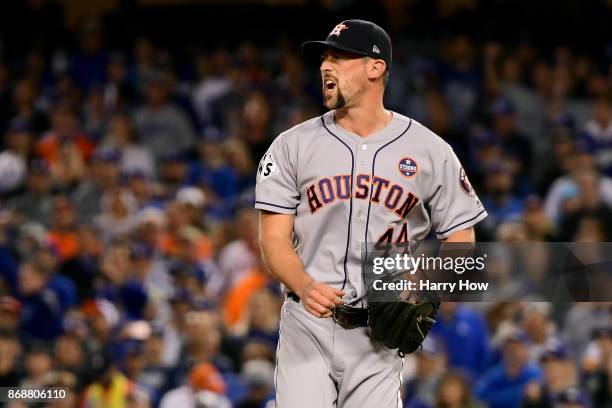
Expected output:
{"points": [[503, 386], [464, 334]]}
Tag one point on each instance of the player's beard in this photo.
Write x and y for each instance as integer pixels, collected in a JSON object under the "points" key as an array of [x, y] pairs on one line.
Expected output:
{"points": [[337, 102]]}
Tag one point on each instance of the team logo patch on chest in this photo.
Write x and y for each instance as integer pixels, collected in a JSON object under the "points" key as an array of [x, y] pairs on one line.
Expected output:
{"points": [[465, 184], [408, 167]]}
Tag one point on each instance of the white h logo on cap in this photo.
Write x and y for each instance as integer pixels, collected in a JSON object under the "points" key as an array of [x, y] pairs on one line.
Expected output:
{"points": [[338, 29]]}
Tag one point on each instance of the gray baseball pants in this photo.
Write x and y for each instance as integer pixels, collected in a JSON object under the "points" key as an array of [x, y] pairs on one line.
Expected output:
{"points": [[321, 365]]}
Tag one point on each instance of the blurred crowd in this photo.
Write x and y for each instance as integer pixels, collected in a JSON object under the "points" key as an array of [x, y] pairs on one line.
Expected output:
{"points": [[129, 265]]}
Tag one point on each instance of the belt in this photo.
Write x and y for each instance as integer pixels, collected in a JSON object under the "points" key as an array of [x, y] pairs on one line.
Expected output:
{"points": [[347, 317]]}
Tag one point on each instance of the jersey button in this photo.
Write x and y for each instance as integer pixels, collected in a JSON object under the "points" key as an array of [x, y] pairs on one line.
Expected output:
{"points": [[364, 147]]}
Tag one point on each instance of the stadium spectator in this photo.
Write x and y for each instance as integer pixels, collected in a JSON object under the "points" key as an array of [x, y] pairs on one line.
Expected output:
{"points": [[538, 326], [10, 354], [135, 158], [464, 334], [205, 385], [597, 134], [503, 386], [23, 108], [38, 364], [68, 355], [259, 375], [18, 142], [597, 365], [560, 376], [162, 127], [454, 391], [110, 387], [35, 203], [104, 176], [499, 199], [422, 390], [586, 217], [45, 299]]}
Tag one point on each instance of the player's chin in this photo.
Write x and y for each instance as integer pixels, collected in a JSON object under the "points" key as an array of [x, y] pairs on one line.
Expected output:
{"points": [[330, 102]]}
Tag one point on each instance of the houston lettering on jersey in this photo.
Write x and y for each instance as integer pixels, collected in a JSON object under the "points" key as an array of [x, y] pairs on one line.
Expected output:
{"points": [[329, 189]]}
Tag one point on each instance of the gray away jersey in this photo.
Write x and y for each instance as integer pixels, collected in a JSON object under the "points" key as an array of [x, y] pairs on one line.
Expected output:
{"points": [[393, 186]]}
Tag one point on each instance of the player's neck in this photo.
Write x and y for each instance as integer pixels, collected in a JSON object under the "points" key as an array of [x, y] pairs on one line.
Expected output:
{"points": [[364, 119]]}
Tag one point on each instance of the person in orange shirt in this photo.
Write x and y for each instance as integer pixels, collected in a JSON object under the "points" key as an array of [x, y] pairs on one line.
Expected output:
{"points": [[238, 298], [63, 235], [65, 148], [64, 127], [185, 238]]}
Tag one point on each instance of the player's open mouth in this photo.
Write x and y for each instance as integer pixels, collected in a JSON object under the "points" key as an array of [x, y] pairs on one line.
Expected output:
{"points": [[329, 84]]}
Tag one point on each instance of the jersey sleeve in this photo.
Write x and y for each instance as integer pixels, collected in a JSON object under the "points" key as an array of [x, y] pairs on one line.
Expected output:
{"points": [[453, 204], [276, 188]]}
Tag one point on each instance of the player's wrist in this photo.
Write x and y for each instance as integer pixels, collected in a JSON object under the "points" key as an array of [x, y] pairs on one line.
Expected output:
{"points": [[304, 285]]}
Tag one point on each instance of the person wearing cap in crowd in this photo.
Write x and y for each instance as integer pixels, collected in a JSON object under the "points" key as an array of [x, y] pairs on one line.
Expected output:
{"points": [[259, 375], [144, 189], [162, 126], [597, 365], [154, 274], [539, 326], [35, 203], [514, 145], [463, 332], [597, 134], [560, 375], [103, 177], [173, 172], [134, 157], [45, 298], [118, 214], [205, 386], [213, 173], [18, 143], [109, 388], [102, 317], [574, 398], [503, 386], [499, 198], [184, 236], [420, 391]]}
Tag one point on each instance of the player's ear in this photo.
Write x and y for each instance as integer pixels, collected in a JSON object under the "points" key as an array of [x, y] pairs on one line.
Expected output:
{"points": [[376, 68]]}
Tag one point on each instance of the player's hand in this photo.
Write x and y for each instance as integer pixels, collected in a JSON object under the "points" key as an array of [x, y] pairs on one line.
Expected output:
{"points": [[320, 299]]}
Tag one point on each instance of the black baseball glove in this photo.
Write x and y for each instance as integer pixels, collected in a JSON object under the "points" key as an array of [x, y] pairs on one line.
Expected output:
{"points": [[400, 324]]}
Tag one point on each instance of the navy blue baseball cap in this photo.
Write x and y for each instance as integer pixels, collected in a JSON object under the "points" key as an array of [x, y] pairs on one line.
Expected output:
{"points": [[555, 350], [356, 36], [573, 396]]}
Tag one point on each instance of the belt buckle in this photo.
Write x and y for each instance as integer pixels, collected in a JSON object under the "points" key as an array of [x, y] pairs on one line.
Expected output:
{"points": [[342, 322], [334, 316]]}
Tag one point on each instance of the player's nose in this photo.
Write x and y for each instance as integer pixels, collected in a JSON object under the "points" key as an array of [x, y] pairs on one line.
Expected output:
{"points": [[326, 64]]}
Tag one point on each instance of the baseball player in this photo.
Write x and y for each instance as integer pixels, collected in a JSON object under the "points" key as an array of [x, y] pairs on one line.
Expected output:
{"points": [[358, 174]]}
